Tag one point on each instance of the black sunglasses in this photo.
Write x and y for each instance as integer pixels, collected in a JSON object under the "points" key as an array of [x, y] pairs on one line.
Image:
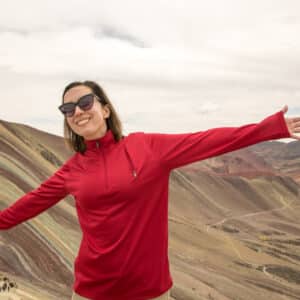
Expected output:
{"points": [[85, 103]]}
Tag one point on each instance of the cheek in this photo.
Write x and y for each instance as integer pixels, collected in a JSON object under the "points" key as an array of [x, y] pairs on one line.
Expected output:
{"points": [[97, 117], [71, 124]]}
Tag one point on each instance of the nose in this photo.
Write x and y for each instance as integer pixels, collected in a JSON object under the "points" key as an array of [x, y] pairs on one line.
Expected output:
{"points": [[77, 111]]}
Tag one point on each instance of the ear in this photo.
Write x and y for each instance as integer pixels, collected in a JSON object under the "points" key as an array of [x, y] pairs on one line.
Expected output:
{"points": [[106, 111]]}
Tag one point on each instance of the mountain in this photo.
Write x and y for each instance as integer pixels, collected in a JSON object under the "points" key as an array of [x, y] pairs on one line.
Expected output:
{"points": [[36, 254], [234, 230], [283, 157]]}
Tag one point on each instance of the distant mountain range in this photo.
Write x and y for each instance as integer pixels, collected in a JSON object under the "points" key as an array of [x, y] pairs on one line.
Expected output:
{"points": [[234, 226]]}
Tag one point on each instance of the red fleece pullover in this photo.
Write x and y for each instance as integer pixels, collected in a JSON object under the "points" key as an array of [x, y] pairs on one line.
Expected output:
{"points": [[121, 196]]}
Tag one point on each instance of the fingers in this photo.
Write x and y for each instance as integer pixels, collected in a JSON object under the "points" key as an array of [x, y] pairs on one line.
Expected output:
{"points": [[295, 119], [294, 127], [293, 124], [296, 124]]}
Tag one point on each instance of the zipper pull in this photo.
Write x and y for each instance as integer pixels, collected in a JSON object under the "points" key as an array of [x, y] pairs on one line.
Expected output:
{"points": [[134, 173], [97, 144]]}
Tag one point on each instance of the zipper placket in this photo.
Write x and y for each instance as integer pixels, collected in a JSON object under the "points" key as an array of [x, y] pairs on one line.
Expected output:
{"points": [[104, 163], [134, 173]]}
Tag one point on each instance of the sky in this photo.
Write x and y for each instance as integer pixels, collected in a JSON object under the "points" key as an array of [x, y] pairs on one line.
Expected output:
{"points": [[167, 66]]}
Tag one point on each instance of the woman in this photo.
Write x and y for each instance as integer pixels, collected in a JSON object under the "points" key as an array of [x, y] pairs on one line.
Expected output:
{"points": [[120, 187]]}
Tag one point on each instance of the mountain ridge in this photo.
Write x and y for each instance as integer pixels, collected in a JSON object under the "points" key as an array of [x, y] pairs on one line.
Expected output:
{"points": [[230, 218]]}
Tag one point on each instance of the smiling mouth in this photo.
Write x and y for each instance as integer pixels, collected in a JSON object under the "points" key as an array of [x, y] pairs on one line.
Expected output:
{"points": [[83, 122]]}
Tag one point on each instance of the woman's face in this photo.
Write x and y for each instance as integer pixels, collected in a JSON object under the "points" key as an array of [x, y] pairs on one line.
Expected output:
{"points": [[96, 126]]}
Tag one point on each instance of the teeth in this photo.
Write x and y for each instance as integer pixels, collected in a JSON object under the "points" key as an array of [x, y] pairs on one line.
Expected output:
{"points": [[83, 122]]}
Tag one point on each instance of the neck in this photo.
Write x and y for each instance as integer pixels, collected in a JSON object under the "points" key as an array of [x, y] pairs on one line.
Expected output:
{"points": [[98, 135]]}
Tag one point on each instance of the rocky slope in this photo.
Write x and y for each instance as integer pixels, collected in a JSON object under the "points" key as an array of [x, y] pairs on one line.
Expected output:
{"points": [[234, 230]]}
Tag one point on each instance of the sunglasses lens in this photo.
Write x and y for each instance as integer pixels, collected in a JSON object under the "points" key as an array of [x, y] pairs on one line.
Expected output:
{"points": [[86, 102], [68, 109]]}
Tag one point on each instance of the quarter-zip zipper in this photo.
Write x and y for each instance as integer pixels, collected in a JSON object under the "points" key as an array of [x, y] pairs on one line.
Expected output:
{"points": [[134, 173], [104, 164]]}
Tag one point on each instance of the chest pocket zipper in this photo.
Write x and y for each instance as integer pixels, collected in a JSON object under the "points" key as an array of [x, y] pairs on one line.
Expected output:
{"points": [[134, 172]]}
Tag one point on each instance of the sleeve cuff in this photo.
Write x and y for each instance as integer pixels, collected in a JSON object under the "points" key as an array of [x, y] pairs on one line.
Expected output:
{"points": [[283, 123]]}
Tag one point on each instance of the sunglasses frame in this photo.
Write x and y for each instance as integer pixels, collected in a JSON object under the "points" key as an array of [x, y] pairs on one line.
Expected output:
{"points": [[77, 104]]}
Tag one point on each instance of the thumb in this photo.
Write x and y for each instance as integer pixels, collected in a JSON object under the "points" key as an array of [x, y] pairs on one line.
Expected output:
{"points": [[285, 109]]}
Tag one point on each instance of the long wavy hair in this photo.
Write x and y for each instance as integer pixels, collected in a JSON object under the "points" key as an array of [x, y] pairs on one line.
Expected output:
{"points": [[74, 141]]}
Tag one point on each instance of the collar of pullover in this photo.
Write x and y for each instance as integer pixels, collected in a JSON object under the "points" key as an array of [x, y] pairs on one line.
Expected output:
{"points": [[103, 141]]}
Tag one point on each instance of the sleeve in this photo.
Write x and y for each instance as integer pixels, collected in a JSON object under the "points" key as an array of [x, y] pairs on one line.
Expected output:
{"points": [[36, 201], [176, 150]]}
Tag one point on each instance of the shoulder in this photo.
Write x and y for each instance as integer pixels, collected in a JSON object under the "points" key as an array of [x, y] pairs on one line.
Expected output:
{"points": [[134, 137], [69, 162], [137, 142]]}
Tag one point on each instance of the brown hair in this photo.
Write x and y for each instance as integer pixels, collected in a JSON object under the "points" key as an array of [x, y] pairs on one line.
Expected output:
{"points": [[76, 142]]}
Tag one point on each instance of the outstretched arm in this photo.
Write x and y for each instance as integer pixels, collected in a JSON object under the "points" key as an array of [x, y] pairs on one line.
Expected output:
{"points": [[176, 150], [36, 201]]}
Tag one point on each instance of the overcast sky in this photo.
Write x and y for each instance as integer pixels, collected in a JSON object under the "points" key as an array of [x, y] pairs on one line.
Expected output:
{"points": [[167, 66]]}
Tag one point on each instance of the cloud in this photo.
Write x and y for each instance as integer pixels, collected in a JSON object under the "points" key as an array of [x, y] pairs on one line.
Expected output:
{"points": [[107, 31], [156, 59]]}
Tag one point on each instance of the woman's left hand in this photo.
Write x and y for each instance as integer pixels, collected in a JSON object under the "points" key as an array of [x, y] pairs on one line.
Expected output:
{"points": [[293, 124]]}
